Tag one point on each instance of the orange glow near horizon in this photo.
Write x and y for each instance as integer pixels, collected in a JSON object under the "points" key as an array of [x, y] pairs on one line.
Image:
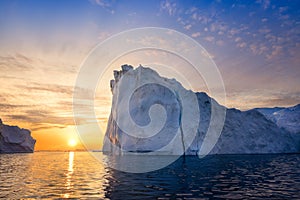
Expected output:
{"points": [[57, 139], [66, 139]]}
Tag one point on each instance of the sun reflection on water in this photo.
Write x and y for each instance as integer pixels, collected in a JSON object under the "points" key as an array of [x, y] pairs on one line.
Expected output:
{"points": [[61, 175], [69, 175], [54, 175]]}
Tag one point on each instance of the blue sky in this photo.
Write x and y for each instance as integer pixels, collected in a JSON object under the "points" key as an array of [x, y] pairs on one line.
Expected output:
{"points": [[255, 44]]}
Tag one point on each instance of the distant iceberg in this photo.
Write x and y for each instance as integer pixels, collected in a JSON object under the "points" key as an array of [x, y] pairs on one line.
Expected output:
{"points": [[244, 132], [15, 140], [287, 118]]}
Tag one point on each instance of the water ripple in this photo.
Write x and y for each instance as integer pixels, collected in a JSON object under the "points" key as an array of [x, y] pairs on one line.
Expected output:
{"points": [[57, 175]]}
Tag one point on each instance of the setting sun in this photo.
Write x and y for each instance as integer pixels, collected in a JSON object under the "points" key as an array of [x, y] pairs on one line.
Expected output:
{"points": [[72, 142]]}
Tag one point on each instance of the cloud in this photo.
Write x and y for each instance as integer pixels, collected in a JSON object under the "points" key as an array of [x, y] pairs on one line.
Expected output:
{"points": [[259, 49], [5, 107], [242, 45], [37, 115], [195, 35], [238, 39], [21, 65], [264, 30], [104, 4], [261, 98], [283, 9], [209, 38], [213, 27], [251, 31], [276, 51], [31, 88], [16, 62], [195, 16], [234, 31], [53, 88], [220, 43], [188, 27], [44, 126], [168, 6], [265, 4], [103, 35]]}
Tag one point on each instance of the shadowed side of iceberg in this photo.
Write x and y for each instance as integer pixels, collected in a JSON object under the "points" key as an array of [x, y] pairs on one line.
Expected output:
{"points": [[15, 140]]}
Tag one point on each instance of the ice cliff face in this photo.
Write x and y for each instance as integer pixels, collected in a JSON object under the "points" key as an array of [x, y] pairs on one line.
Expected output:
{"points": [[245, 132], [15, 140]]}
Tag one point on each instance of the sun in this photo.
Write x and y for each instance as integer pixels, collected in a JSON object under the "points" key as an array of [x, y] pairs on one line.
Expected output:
{"points": [[72, 142]]}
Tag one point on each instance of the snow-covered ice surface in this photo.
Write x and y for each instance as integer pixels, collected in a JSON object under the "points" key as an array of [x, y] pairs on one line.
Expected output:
{"points": [[287, 118], [15, 140], [244, 132]]}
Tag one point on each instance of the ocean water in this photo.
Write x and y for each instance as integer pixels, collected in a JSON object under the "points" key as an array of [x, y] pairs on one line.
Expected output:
{"points": [[58, 175]]}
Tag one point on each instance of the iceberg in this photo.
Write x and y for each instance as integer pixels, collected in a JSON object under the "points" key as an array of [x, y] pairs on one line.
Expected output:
{"points": [[162, 132], [15, 140], [287, 118]]}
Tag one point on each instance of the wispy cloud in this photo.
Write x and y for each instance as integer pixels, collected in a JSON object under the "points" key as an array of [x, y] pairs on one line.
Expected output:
{"points": [[16, 62], [30, 89], [6, 107], [195, 35], [220, 43], [44, 126], [169, 6], [262, 98], [265, 4], [188, 27], [106, 4], [103, 35], [21, 65], [210, 38], [53, 88], [251, 33]]}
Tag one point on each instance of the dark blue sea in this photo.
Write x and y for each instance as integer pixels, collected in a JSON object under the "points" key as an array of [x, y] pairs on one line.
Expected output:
{"points": [[78, 175]]}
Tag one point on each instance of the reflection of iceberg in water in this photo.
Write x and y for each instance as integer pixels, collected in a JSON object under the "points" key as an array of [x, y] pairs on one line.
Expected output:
{"points": [[213, 177], [69, 175]]}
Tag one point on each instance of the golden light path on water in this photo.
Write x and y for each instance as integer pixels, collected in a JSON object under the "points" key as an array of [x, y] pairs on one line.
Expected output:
{"points": [[78, 175], [69, 174]]}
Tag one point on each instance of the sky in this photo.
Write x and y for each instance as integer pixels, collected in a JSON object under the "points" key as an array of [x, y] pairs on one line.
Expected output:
{"points": [[255, 45]]}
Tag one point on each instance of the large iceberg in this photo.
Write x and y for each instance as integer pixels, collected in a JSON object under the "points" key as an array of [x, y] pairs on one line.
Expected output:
{"points": [[15, 140], [244, 132]]}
